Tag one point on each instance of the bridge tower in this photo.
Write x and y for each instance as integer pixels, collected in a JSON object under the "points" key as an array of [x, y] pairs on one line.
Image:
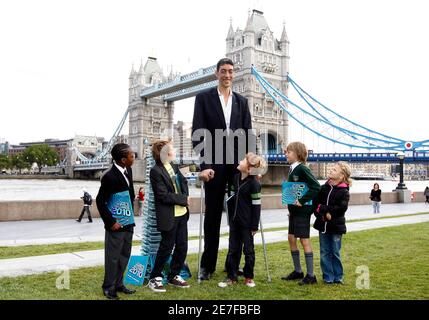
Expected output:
{"points": [[148, 118], [256, 45]]}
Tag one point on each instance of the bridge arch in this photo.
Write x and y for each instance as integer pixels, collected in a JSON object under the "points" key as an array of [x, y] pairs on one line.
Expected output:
{"points": [[269, 142]]}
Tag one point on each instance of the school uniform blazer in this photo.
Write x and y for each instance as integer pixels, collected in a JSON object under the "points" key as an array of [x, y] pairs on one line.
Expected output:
{"points": [[113, 181], [165, 195], [208, 114], [302, 173]]}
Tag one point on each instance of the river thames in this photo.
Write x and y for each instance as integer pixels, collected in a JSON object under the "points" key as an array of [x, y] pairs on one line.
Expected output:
{"points": [[58, 189]]}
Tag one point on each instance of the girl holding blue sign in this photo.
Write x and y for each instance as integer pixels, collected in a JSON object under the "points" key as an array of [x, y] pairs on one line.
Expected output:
{"points": [[300, 212], [331, 205]]}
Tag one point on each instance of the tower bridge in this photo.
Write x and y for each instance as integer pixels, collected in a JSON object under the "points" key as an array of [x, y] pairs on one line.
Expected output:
{"points": [[261, 64], [152, 94]]}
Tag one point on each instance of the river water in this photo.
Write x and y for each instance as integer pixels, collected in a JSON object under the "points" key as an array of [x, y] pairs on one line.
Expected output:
{"points": [[56, 189]]}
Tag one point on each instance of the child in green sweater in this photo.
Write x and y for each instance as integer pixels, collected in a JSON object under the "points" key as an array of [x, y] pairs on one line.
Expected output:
{"points": [[300, 213]]}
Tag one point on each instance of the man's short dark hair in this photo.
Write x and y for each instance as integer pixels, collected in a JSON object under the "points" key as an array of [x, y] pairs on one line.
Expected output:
{"points": [[120, 151], [224, 61]]}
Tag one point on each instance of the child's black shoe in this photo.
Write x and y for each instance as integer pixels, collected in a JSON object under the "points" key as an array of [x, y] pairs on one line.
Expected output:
{"points": [[293, 276], [308, 280]]}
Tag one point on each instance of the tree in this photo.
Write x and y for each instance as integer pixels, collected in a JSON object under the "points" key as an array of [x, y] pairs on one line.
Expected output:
{"points": [[19, 162], [5, 162], [42, 154]]}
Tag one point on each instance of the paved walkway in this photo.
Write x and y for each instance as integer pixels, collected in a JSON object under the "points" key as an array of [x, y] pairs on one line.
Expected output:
{"points": [[72, 260], [18, 233]]}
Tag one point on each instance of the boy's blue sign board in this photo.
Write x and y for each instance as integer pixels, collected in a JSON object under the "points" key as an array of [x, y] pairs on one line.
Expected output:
{"points": [[136, 270], [140, 267], [121, 208]]}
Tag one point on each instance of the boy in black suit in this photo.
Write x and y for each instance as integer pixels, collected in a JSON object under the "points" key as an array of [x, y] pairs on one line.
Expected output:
{"points": [[171, 192], [119, 229]]}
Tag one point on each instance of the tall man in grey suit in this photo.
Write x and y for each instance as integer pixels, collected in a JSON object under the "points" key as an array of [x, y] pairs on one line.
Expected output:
{"points": [[219, 110]]}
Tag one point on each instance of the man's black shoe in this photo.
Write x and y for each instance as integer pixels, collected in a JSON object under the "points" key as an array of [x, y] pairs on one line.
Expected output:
{"points": [[308, 280], [125, 290], [111, 295], [77, 220], [294, 276], [204, 275]]}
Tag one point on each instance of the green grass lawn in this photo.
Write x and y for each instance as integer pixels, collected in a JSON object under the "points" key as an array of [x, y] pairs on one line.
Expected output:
{"points": [[38, 250], [397, 259]]}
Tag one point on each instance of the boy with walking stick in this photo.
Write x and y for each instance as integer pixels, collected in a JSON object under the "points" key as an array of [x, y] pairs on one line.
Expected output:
{"points": [[244, 207]]}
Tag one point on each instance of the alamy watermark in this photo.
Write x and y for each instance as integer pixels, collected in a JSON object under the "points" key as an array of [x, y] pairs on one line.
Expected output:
{"points": [[363, 280], [63, 281]]}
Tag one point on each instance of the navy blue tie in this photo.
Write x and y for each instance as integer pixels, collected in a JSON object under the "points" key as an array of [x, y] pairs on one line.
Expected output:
{"points": [[126, 175]]}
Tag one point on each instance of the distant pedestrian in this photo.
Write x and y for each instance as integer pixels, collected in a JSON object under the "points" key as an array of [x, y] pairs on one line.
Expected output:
{"points": [[330, 207], [376, 198], [87, 202], [426, 194], [140, 197]]}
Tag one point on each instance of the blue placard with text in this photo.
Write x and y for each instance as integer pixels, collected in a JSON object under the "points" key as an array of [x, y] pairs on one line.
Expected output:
{"points": [[136, 270], [292, 191], [185, 273], [121, 208]]}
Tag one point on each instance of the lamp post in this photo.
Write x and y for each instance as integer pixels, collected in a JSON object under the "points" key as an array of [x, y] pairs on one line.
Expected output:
{"points": [[401, 184]]}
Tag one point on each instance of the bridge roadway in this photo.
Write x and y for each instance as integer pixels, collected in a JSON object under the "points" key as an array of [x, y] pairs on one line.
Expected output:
{"points": [[312, 157], [102, 165], [202, 78], [279, 159], [328, 157], [353, 157]]}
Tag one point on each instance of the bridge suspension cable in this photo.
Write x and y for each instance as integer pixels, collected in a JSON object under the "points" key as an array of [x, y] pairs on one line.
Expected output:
{"points": [[322, 121], [305, 96], [102, 155]]}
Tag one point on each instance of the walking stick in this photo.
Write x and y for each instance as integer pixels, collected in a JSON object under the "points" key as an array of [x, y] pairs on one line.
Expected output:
{"points": [[265, 251], [201, 231]]}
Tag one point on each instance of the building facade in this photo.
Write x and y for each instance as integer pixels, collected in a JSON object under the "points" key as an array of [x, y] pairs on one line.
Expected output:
{"points": [[89, 146], [182, 140], [4, 147], [148, 118], [256, 45], [60, 147]]}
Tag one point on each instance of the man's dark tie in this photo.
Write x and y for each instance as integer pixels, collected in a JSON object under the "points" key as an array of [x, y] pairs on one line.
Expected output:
{"points": [[127, 175]]}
